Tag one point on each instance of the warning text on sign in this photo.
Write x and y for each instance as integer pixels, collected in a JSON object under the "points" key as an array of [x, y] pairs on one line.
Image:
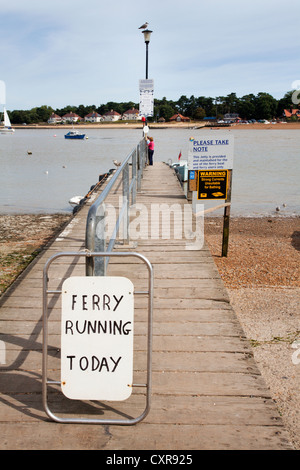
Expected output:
{"points": [[212, 184]]}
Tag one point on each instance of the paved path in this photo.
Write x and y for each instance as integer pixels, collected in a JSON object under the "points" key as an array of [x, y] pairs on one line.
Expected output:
{"points": [[207, 392]]}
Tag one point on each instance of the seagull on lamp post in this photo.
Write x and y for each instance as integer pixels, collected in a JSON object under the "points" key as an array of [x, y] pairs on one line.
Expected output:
{"points": [[144, 26]]}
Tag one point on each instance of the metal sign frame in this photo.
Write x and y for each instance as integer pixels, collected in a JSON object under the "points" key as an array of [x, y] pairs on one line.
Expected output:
{"points": [[46, 382]]}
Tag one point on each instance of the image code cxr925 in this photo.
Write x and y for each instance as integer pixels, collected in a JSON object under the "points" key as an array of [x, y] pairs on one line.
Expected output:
{"points": [[171, 459]]}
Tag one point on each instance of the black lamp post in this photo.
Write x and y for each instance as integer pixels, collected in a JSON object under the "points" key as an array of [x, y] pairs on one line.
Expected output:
{"points": [[147, 34]]}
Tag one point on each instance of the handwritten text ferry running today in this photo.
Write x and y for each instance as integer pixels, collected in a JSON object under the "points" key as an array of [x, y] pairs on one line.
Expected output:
{"points": [[97, 337]]}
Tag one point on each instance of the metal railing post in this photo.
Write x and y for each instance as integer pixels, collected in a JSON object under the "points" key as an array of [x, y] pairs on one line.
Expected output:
{"points": [[99, 263], [90, 242], [139, 168], [134, 177], [126, 203], [145, 155], [96, 243]]}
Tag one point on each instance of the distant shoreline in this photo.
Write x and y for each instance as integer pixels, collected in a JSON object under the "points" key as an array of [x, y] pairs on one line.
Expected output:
{"points": [[166, 125]]}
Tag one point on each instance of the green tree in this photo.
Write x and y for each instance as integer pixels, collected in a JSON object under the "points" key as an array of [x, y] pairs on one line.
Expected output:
{"points": [[231, 103], [182, 104], [285, 103], [191, 107], [207, 104], [18, 117], [246, 107], [65, 110], [165, 110], [81, 110], [266, 106], [199, 113], [43, 113]]}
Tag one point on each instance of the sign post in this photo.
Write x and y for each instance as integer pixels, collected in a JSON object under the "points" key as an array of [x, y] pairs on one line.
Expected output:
{"points": [[226, 217], [210, 163]]}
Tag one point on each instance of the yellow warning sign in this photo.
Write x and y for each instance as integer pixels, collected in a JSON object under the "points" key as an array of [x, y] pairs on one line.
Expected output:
{"points": [[212, 184]]}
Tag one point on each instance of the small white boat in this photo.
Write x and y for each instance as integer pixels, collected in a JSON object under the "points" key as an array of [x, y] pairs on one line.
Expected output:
{"points": [[75, 201], [6, 129]]}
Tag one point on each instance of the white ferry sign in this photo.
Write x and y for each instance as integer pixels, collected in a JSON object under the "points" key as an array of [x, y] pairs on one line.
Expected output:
{"points": [[97, 338]]}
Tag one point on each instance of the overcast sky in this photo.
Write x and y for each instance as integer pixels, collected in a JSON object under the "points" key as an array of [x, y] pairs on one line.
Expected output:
{"points": [[60, 52]]}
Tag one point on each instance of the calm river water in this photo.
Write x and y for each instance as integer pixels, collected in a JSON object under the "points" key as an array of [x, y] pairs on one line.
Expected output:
{"points": [[266, 170]]}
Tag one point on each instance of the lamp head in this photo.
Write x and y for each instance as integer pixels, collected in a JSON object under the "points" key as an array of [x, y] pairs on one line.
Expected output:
{"points": [[147, 34]]}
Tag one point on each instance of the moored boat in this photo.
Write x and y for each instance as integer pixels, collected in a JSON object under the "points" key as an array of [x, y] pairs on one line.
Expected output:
{"points": [[74, 135]]}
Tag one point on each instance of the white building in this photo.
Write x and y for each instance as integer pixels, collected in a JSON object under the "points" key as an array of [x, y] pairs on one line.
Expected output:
{"points": [[132, 115], [54, 119], [93, 117], [112, 116], [71, 117]]}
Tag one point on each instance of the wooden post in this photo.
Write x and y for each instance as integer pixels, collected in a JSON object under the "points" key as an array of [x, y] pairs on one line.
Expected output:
{"points": [[226, 218]]}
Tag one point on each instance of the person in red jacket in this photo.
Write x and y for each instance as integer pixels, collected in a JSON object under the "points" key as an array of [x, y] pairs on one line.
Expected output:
{"points": [[150, 150]]}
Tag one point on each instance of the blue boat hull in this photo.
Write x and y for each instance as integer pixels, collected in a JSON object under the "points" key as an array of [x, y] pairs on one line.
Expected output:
{"points": [[75, 136]]}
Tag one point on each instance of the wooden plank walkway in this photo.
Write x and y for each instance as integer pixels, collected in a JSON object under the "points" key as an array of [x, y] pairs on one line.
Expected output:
{"points": [[207, 391]]}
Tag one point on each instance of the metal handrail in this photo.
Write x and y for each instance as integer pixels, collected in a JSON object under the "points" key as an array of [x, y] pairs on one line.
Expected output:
{"points": [[95, 238]]}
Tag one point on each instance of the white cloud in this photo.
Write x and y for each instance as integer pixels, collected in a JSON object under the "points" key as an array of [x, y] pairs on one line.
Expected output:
{"points": [[73, 52]]}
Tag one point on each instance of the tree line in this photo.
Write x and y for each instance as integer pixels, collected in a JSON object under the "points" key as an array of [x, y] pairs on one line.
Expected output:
{"points": [[260, 106]]}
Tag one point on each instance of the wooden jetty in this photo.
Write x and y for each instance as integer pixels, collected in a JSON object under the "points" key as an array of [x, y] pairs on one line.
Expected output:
{"points": [[207, 392]]}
